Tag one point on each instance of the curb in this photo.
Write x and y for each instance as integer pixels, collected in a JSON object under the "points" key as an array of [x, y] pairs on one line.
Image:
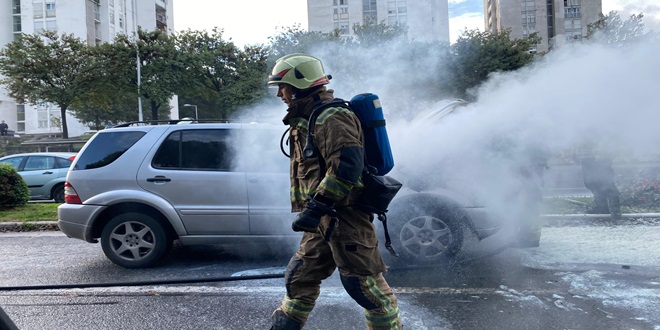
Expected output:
{"points": [[28, 226]]}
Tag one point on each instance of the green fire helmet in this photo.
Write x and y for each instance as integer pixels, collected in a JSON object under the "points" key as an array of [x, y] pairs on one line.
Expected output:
{"points": [[298, 70]]}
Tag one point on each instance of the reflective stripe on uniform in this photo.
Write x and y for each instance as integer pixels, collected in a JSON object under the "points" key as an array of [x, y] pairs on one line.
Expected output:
{"points": [[389, 320], [331, 184], [301, 194], [296, 308], [327, 113], [299, 123]]}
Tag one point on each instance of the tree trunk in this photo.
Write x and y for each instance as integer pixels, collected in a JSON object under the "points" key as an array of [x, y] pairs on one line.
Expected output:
{"points": [[65, 128], [154, 109]]}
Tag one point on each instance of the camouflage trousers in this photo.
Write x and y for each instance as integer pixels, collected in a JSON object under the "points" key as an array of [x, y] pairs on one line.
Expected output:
{"points": [[353, 249]]}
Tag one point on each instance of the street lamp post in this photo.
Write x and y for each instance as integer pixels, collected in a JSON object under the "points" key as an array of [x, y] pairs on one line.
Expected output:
{"points": [[192, 105]]}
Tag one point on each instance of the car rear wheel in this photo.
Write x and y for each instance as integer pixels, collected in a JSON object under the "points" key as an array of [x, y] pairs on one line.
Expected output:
{"points": [[426, 234], [135, 240], [58, 194]]}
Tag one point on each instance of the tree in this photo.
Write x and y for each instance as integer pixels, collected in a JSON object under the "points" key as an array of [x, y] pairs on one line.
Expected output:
{"points": [[162, 68], [477, 54], [221, 77], [46, 68], [294, 39], [104, 101], [615, 32], [371, 33]]}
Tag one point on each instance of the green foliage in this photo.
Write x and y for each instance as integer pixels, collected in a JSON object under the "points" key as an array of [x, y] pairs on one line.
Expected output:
{"points": [[371, 33], [611, 30], [45, 68], [294, 39], [162, 68], [13, 189], [111, 98], [477, 54], [220, 77]]}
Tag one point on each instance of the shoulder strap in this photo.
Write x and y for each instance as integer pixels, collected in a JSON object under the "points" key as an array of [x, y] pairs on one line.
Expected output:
{"points": [[310, 150]]}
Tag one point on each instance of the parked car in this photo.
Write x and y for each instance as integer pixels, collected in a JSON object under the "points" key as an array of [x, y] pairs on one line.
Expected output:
{"points": [[44, 172], [137, 188]]}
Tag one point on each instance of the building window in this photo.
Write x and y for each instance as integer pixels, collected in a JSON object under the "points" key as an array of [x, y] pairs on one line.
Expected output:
{"points": [[528, 18], [402, 8], [17, 23], [572, 12], [391, 8], [343, 2], [51, 25], [20, 118], [50, 9], [20, 112], [38, 26], [369, 13], [97, 11], [16, 7], [343, 14], [38, 9], [573, 35]]}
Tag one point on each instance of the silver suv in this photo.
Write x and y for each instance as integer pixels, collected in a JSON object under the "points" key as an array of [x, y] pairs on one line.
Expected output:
{"points": [[137, 188]]}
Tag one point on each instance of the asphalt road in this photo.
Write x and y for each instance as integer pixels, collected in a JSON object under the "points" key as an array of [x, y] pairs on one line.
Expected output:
{"points": [[585, 275]]}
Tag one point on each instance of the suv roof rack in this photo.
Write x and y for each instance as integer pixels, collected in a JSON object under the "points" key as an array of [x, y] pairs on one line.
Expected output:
{"points": [[172, 122]]}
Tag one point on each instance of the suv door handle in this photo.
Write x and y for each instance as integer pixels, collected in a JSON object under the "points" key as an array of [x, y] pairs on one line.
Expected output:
{"points": [[159, 178], [47, 172]]}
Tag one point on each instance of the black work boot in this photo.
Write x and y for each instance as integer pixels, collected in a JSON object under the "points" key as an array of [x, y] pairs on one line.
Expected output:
{"points": [[283, 322]]}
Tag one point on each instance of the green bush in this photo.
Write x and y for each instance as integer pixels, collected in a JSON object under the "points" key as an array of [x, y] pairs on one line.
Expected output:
{"points": [[13, 189]]}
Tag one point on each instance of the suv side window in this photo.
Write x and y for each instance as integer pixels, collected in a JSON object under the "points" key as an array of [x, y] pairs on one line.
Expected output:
{"points": [[105, 148], [206, 150]]}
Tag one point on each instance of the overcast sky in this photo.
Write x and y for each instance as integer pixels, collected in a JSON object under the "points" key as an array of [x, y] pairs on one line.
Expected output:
{"points": [[246, 22]]}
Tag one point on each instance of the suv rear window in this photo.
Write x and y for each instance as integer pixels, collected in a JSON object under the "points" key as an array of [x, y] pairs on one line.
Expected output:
{"points": [[105, 148], [207, 150]]}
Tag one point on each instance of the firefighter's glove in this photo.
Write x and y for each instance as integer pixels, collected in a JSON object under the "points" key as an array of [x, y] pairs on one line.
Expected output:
{"points": [[308, 220]]}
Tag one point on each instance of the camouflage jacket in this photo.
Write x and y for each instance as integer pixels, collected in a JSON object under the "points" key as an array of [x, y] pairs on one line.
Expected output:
{"points": [[338, 138]]}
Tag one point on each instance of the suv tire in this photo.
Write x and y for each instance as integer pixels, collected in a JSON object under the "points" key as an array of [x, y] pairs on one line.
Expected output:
{"points": [[426, 234], [134, 240]]}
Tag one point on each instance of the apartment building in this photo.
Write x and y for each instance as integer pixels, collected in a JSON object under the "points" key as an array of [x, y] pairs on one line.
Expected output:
{"points": [[96, 21], [427, 20], [555, 21]]}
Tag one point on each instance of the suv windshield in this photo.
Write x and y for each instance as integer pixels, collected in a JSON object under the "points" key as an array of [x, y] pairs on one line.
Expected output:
{"points": [[106, 148]]}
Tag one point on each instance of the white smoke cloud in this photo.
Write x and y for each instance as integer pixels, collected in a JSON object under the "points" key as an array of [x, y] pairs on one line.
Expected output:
{"points": [[576, 94]]}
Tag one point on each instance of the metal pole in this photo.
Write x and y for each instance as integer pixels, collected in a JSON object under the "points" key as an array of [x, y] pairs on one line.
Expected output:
{"points": [[137, 58]]}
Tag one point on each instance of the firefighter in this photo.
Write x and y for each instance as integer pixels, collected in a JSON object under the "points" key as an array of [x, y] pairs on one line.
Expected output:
{"points": [[323, 189]]}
